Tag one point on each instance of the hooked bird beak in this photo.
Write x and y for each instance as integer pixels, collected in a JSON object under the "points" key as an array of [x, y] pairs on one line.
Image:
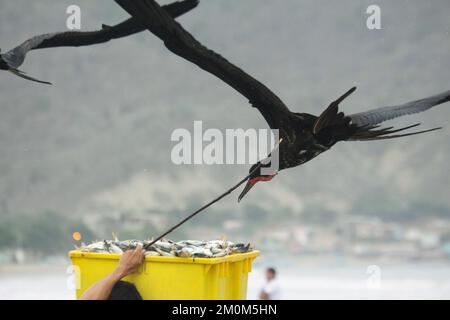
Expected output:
{"points": [[250, 183]]}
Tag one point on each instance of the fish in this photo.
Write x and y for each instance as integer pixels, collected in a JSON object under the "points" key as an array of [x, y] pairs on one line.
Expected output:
{"points": [[202, 253], [185, 252], [217, 250], [169, 248], [222, 253], [122, 245], [93, 247], [194, 252], [164, 246], [152, 253], [241, 248], [196, 243], [114, 249]]}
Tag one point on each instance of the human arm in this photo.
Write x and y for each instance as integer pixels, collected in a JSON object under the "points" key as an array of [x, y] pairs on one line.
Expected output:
{"points": [[128, 263]]}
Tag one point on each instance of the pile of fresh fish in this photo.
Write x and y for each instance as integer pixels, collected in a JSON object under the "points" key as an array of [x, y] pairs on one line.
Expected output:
{"points": [[169, 248]]}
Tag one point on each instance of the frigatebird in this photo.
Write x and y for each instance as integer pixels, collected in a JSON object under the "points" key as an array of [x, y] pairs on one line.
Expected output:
{"points": [[14, 58], [304, 136]]}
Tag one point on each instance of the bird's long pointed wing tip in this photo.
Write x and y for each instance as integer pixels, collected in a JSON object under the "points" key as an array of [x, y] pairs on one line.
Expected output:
{"points": [[349, 92], [344, 96], [23, 75]]}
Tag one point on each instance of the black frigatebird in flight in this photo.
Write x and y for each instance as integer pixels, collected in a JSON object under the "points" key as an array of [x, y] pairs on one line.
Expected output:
{"points": [[14, 58], [304, 136]]}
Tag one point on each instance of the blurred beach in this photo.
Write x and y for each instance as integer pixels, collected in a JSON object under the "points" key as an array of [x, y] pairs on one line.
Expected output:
{"points": [[314, 279]]}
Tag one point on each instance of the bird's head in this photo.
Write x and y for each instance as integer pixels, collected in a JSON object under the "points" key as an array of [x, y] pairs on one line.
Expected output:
{"points": [[254, 177]]}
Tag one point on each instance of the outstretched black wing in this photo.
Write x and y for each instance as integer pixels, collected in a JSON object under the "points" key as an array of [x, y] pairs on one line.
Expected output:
{"points": [[126, 28], [15, 57], [183, 44]]}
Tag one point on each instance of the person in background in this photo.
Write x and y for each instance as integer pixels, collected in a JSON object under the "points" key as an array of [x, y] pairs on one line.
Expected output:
{"points": [[271, 290], [110, 287]]}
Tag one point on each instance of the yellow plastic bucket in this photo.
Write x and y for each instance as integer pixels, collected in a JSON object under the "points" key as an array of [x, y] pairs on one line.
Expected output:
{"points": [[166, 278]]}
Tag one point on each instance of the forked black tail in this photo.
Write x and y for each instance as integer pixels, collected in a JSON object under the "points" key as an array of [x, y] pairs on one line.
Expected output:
{"points": [[333, 126]]}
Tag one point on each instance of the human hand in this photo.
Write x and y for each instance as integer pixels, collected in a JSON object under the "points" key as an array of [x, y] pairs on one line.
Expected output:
{"points": [[130, 261]]}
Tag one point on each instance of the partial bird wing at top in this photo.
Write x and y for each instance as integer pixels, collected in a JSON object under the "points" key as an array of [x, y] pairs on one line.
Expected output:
{"points": [[126, 28], [183, 44], [376, 116], [15, 57]]}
